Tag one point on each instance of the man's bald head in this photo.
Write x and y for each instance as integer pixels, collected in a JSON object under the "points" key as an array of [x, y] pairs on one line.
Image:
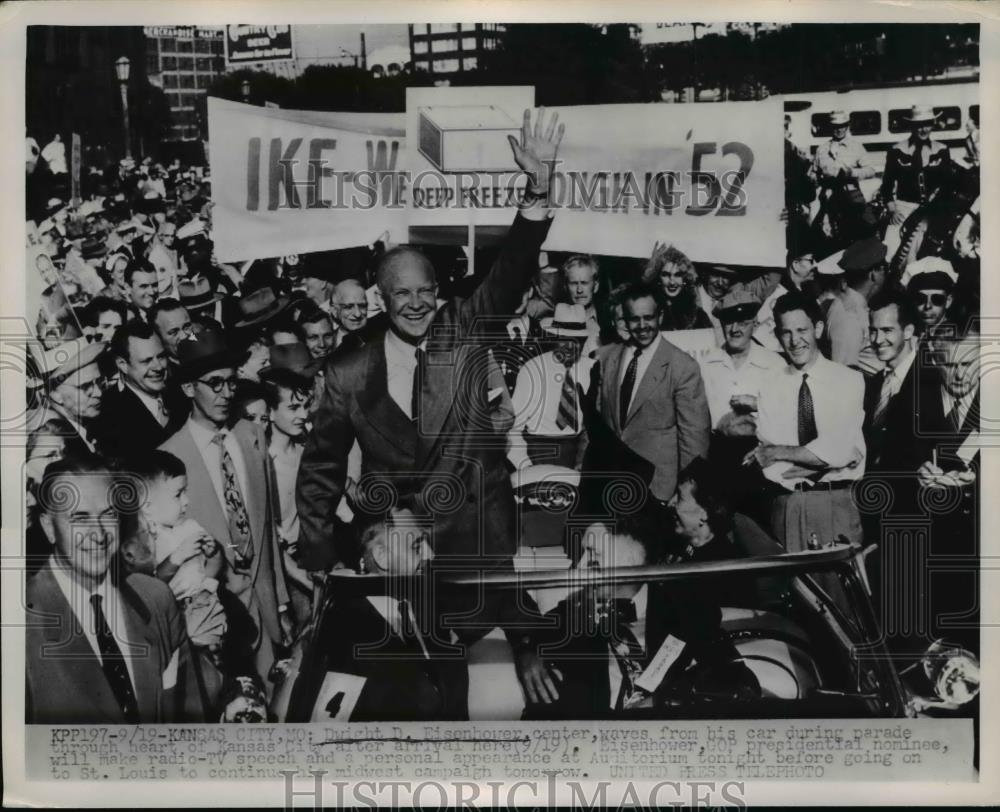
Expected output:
{"points": [[400, 259], [350, 305]]}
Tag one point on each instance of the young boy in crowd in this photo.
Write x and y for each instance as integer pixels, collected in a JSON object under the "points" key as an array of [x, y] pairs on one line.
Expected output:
{"points": [[178, 551]]}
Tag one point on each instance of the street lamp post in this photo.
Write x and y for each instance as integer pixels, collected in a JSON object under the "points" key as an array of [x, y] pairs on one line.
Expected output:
{"points": [[122, 70]]}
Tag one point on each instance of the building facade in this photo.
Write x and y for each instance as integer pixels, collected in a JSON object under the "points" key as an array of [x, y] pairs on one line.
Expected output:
{"points": [[184, 60], [450, 48]]}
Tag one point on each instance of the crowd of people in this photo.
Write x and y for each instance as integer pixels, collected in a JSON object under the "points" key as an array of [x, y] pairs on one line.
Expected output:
{"points": [[212, 445]]}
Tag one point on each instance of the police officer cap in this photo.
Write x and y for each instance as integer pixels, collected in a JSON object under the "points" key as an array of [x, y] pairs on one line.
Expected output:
{"points": [[863, 255]]}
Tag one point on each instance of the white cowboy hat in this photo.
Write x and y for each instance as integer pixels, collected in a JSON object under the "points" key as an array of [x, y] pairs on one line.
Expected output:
{"points": [[920, 113]]}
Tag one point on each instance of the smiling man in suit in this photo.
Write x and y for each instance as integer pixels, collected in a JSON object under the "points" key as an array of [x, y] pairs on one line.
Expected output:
{"points": [[420, 403], [385, 640], [232, 489], [100, 649], [138, 417], [651, 394]]}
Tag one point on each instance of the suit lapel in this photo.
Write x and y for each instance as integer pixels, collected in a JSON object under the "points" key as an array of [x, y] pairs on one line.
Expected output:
{"points": [[204, 500], [142, 652], [256, 497], [138, 416], [377, 405], [651, 381], [438, 390], [609, 383]]}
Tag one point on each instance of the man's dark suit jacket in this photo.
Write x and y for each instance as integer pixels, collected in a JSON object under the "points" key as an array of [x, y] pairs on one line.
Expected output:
{"points": [[126, 427], [898, 446], [453, 461], [401, 684], [65, 681], [583, 657]]}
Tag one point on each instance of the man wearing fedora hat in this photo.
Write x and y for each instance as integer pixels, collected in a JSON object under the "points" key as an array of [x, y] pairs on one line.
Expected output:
{"points": [[547, 417], [915, 169], [232, 489]]}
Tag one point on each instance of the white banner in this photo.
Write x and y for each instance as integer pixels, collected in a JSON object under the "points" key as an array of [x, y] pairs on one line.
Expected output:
{"points": [[707, 178], [291, 182]]}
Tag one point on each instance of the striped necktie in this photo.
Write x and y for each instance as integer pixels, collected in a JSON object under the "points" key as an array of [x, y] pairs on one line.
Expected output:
{"points": [[566, 417]]}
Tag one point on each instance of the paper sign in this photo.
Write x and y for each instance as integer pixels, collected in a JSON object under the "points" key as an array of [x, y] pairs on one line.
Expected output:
{"points": [[337, 697], [650, 679]]}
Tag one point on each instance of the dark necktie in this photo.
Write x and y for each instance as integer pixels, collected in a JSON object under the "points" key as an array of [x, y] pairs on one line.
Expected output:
{"points": [[236, 511], [566, 417], [406, 628], [113, 663], [418, 375], [627, 650], [807, 416], [884, 398], [628, 384]]}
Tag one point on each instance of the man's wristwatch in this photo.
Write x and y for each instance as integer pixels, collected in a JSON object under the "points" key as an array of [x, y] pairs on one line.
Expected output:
{"points": [[530, 197]]}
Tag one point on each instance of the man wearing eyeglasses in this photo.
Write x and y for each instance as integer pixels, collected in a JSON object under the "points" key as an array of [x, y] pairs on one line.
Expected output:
{"points": [[930, 292], [74, 391], [232, 489]]}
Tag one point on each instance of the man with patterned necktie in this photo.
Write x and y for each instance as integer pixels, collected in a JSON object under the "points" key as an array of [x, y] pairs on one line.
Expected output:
{"points": [[810, 431], [547, 418], [232, 490]]}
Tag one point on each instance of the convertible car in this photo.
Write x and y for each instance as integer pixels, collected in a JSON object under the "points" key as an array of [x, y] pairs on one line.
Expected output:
{"points": [[813, 655]]}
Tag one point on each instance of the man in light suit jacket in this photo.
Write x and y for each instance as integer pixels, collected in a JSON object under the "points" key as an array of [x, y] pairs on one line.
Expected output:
{"points": [[651, 394], [99, 650], [231, 489]]}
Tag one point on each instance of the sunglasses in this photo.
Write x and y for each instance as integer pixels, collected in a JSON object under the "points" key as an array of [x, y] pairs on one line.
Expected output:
{"points": [[216, 384], [934, 299]]}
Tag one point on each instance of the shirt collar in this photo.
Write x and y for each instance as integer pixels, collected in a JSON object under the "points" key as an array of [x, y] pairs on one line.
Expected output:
{"points": [[399, 351], [641, 600], [903, 362], [203, 436], [152, 403], [71, 588]]}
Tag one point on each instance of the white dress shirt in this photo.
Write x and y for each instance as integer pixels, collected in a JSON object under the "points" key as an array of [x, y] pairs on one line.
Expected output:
{"points": [[400, 364], [155, 406], [213, 459], [640, 369], [838, 405], [723, 379], [639, 630], [898, 370], [536, 399], [964, 404], [111, 604], [286, 469]]}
